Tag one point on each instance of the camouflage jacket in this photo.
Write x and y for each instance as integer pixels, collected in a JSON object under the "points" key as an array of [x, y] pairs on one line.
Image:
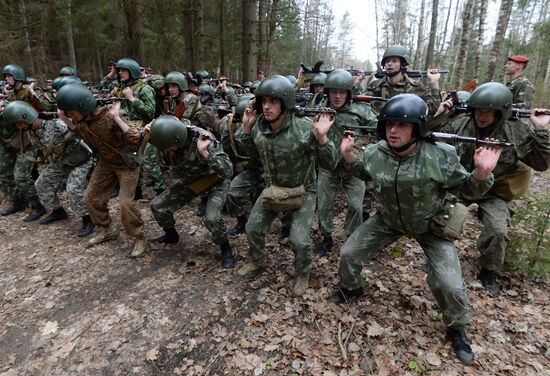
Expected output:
{"points": [[382, 88], [531, 146], [522, 90], [230, 132], [187, 164], [53, 139], [143, 108], [194, 111], [38, 100], [289, 155], [412, 189], [105, 135]]}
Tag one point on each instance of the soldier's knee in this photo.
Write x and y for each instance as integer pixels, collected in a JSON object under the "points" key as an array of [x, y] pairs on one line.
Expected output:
{"points": [[210, 219]]}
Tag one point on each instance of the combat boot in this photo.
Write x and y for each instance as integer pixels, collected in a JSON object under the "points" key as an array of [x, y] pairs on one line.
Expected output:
{"points": [[344, 295], [16, 206], [38, 210], [201, 210], [240, 227], [56, 215], [325, 246], [170, 236], [228, 260], [107, 234], [301, 285], [254, 266], [87, 227], [461, 346], [139, 247], [488, 280]]}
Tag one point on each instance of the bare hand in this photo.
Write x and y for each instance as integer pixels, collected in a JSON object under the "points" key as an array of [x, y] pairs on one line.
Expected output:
{"points": [[539, 121], [249, 118], [321, 125], [433, 77], [485, 160], [445, 107], [202, 144], [114, 109], [147, 127], [67, 120], [129, 94], [346, 146]]}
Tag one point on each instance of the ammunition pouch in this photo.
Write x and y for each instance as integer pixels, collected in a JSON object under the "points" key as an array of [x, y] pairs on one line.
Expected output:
{"points": [[205, 183], [449, 222], [76, 153], [280, 199], [512, 185]]}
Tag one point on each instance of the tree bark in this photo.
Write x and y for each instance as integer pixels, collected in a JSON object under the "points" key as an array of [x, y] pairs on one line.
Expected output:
{"points": [[433, 30], [418, 51], [250, 40], [188, 22], [221, 22], [133, 11], [70, 37], [502, 25], [23, 13], [199, 36], [262, 34], [480, 31], [463, 47]]}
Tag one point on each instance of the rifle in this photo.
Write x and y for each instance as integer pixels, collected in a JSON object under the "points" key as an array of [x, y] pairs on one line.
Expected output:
{"points": [[368, 99], [368, 131], [101, 102], [316, 68], [517, 113], [310, 111], [449, 137]]}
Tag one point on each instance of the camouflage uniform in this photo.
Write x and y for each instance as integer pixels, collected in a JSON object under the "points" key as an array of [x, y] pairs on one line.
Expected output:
{"points": [[288, 156], [189, 167], [411, 191], [52, 138], [101, 132], [195, 112], [328, 182], [383, 88], [522, 90], [531, 148]]}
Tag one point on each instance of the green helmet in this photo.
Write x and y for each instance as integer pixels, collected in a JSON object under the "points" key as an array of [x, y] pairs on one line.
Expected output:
{"points": [[492, 95], [397, 51], [406, 108], [20, 111], [76, 97], [156, 81], [292, 79], [339, 79], [129, 64], [319, 78], [202, 74], [67, 71], [16, 71], [276, 86], [463, 96], [59, 82], [176, 78], [247, 84], [205, 88], [242, 103], [167, 131]]}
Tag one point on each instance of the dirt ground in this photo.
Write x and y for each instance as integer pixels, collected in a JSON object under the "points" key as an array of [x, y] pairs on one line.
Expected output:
{"points": [[67, 310]]}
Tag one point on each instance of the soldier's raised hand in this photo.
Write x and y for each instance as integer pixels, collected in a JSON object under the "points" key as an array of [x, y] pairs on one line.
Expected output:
{"points": [[346, 146], [114, 109], [249, 118], [321, 125], [485, 160], [539, 121]]}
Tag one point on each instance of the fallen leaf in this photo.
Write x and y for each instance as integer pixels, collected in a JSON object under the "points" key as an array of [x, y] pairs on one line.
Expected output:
{"points": [[433, 359], [374, 330], [49, 328], [152, 355]]}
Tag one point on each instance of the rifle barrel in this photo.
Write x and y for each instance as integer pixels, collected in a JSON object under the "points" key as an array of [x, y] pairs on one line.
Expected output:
{"points": [[450, 137]]}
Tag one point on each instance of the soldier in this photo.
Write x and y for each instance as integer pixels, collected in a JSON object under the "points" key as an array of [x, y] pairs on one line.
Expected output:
{"points": [[225, 92], [66, 159], [489, 116], [396, 81], [117, 143], [339, 90], [200, 166], [206, 94], [519, 85], [288, 148], [67, 71], [411, 177]]}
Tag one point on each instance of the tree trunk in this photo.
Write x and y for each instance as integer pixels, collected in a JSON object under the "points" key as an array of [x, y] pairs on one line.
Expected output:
{"points": [[133, 11], [377, 39], [273, 14], [188, 21], [503, 18], [250, 40], [443, 39], [433, 31], [417, 55], [463, 47], [262, 34], [23, 13], [480, 31], [70, 37], [199, 36], [448, 55], [221, 22]]}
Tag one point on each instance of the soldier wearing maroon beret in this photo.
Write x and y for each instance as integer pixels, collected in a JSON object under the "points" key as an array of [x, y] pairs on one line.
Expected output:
{"points": [[519, 85]]}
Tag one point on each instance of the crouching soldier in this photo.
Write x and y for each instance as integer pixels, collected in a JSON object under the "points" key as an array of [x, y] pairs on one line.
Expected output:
{"points": [[117, 144], [65, 157], [200, 165]]}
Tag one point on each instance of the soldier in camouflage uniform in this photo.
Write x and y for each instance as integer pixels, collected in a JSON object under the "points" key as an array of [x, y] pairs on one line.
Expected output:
{"points": [[339, 90], [225, 92], [65, 158], [200, 166], [118, 144], [317, 88], [289, 147], [396, 81], [411, 177], [489, 107], [519, 85]]}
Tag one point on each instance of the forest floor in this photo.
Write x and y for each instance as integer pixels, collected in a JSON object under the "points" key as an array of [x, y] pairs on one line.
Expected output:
{"points": [[67, 310]]}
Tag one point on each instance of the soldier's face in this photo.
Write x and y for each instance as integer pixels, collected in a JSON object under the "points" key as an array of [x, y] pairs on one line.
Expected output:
{"points": [[318, 88], [74, 115], [484, 117], [337, 98], [393, 64], [272, 108], [124, 74], [399, 133], [511, 68], [10, 80], [173, 90], [21, 125]]}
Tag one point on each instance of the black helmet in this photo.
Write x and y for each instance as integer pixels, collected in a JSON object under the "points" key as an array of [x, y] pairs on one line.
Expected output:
{"points": [[243, 103], [397, 51], [20, 111], [167, 131], [131, 65], [76, 97], [492, 95], [405, 108], [276, 86]]}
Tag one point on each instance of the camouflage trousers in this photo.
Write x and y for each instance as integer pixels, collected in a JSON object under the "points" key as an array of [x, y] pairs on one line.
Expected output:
{"points": [[247, 184], [300, 231], [104, 178], [494, 214], [152, 173], [16, 181], [177, 195], [444, 276], [53, 175], [327, 185]]}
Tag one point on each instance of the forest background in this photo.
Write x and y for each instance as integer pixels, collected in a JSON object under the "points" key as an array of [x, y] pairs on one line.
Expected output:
{"points": [[239, 37]]}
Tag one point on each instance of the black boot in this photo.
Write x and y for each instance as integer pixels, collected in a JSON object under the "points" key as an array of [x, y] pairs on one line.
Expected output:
{"points": [[461, 346], [138, 194], [201, 210], [343, 295], [228, 260], [87, 227], [16, 206], [285, 231], [170, 236], [56, 215], [37, 211], [325, 246], [488, 280], [240, 227]]}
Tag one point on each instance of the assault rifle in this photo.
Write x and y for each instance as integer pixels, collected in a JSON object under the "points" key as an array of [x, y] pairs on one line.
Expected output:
{"points": [[101, 102], [449, 137], [310, 111], [368, 99], [366, 130], [517, 113]]}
